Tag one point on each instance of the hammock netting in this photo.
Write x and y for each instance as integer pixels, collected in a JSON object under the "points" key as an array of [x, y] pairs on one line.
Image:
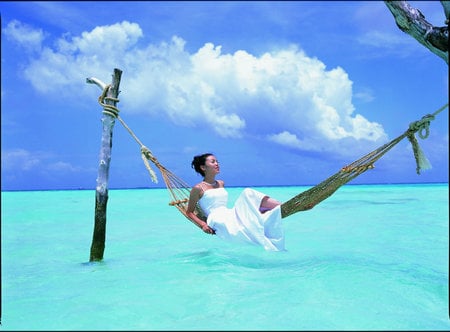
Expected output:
{"points": [[179, 190]]}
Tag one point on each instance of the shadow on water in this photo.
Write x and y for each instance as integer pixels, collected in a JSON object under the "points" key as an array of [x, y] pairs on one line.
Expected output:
{"points": [[390, 202], [95, 263], [408, 272], [361, 202]]}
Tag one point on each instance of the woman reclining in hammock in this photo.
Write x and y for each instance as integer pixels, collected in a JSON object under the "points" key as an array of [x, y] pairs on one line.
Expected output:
{"points": [[255, 217]]}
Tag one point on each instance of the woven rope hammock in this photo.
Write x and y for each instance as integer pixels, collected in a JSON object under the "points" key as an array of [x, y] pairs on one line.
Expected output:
{"points": [[179, 190]]}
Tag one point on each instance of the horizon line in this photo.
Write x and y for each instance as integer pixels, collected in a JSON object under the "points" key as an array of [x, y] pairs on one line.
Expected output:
{"points": [[233, 186]]}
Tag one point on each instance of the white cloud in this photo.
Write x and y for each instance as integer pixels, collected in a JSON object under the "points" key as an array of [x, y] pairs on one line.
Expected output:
{"points": [[387, 44], [61, 166], [379, 34], [20, 159], [386, 40], [102, 42], [365, 95], [283, 95], [73, 59], [24, 160], [26, 36], [291, 140]]}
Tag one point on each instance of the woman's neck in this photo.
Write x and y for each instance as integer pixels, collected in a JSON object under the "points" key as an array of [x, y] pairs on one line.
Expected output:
{"points": [[210, 180]]}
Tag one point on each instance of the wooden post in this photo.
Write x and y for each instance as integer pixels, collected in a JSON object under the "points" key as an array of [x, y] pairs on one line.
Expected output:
{"points": [[101, 194]]}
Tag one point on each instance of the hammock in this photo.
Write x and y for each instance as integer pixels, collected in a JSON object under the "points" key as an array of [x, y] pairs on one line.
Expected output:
{"points": [[179, 190]]}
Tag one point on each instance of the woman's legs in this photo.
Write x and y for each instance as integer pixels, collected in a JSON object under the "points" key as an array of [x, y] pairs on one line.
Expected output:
{"points": [[267, 204]]}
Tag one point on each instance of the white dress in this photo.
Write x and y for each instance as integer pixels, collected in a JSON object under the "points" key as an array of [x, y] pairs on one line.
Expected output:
{"points": [[243, 222]]}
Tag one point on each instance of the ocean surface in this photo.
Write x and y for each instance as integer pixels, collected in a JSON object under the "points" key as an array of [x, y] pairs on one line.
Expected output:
{"points": [[370, 257]]}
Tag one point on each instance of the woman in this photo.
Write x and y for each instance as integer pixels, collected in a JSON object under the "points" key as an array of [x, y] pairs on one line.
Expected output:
{"points": [[255, 217]]}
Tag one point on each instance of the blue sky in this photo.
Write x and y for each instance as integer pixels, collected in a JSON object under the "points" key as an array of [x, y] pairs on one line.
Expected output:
{"points": [[283, 93]]}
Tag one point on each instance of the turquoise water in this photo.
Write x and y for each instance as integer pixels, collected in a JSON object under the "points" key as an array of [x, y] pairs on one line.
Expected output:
{"points": [[370, 257]]}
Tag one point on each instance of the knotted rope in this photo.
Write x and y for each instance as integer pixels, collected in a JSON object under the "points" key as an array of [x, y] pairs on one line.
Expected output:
{"points": [[422, 128], [109, 109]]}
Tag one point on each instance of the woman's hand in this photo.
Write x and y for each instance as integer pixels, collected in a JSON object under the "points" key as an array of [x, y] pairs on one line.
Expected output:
{"points": [[207, 229]]}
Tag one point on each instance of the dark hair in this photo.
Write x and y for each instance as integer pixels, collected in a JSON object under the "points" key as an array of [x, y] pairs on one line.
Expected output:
{"points": [[198, 161]]}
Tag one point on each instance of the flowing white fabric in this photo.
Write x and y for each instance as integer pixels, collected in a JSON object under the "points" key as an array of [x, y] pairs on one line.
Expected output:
{"points": [[243, 222]]}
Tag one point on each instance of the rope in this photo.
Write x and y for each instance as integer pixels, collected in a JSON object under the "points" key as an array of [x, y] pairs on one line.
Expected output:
{"points": [[113, 111], [424, 123], [422, 128], [179, 190], [313, 196], [108, 108]]}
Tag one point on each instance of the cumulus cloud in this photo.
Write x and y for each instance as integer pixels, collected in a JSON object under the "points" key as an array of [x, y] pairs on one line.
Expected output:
{"points": [[282, 96]]}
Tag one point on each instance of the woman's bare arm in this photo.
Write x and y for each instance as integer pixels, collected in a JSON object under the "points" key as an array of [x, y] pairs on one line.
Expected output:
{"points": [[194, 196]]}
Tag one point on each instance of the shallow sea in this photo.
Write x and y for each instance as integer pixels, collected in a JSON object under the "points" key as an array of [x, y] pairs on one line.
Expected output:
{"points": [[370, 257]]}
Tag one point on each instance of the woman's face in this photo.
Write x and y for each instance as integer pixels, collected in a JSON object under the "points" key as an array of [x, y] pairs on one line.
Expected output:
{"points": [[211, 165]]}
